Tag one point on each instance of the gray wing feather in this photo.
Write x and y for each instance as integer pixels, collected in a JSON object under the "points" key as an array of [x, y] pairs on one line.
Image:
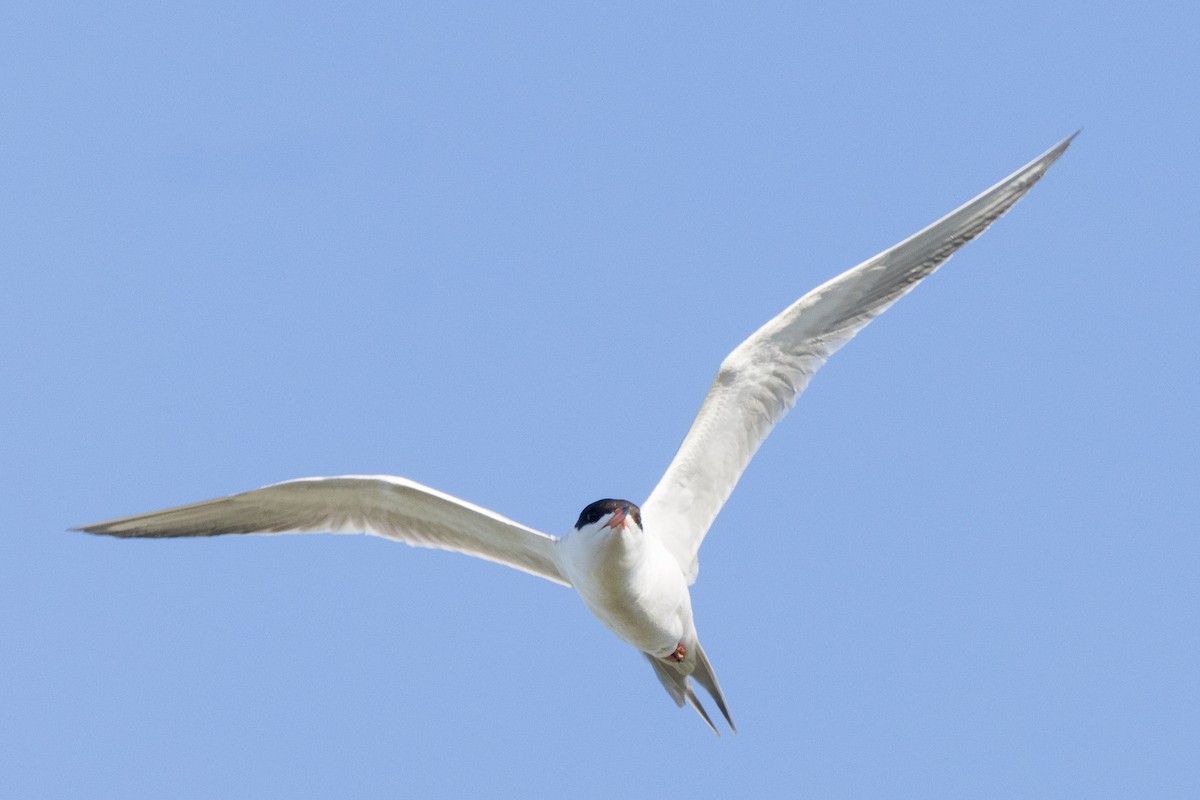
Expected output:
{"points": [[393, 508], [761, 379]]}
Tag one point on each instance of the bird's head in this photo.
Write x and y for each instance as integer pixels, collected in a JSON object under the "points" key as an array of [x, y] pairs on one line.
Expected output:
{"points": [[615, 515]]}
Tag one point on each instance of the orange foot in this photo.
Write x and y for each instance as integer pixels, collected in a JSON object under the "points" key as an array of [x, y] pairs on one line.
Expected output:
{"points": [[679, 654]]}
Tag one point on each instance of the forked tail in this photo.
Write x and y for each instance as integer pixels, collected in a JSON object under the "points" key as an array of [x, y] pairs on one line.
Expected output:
{"points": [[674, 678]]}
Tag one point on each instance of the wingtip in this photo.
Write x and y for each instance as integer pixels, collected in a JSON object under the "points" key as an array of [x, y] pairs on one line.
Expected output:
{"points": [[96, 529], [1053, 153]]}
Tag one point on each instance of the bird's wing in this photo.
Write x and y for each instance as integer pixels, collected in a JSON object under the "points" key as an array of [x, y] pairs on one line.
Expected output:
{"points": [[393, 508], [760, 380]]}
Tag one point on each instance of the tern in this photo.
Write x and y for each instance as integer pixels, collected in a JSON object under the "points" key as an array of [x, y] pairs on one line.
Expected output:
{"points": [[631, 565]]}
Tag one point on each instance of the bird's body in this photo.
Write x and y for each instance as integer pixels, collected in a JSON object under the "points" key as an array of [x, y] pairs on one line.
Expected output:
{"points": [[633, 577], [630, 581]]}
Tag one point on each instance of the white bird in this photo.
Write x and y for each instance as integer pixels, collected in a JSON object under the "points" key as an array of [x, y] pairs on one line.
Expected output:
{"points": [[632, 567]]}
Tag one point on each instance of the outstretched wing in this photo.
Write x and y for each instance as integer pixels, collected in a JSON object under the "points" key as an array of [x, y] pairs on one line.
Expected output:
{"points": [[760, 380], [382, 505]]}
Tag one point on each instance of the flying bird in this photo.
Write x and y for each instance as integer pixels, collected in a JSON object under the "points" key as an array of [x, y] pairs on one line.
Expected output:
{"points": [[631, 565]]}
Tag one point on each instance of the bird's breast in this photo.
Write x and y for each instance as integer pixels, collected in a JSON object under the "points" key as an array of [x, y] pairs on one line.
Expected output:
{"points": [[634, 586]]}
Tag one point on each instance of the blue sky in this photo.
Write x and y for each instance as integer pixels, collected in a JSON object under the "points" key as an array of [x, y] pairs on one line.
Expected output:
{"points": [[500, 249]]}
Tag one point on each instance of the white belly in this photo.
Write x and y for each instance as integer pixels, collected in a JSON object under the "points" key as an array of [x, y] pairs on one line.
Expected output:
{"points": [[634, 586]]}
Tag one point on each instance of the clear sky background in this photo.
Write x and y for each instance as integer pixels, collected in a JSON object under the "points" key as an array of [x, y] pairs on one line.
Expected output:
{"points": [[500, 248]]}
